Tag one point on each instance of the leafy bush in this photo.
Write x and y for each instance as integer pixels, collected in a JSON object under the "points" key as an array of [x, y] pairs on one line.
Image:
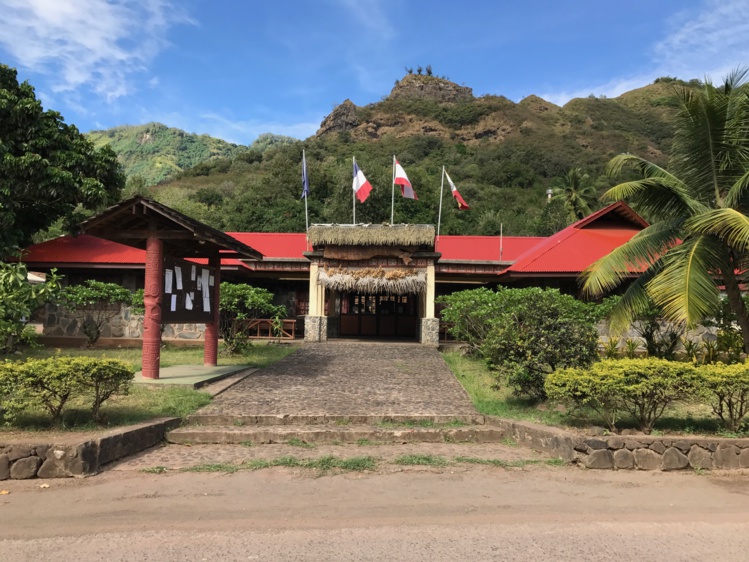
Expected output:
{"points": [[726, 390], [525, 333], [240, 305], [94, 303], [52, 382], [538, 332], [644, 388], [103, 378], [18, 301], [471, 314]]}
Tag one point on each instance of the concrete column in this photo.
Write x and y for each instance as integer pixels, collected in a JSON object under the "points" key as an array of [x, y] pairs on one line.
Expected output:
{"points": [[313, 292], [429, 310], [153, 293], [210, 349]]}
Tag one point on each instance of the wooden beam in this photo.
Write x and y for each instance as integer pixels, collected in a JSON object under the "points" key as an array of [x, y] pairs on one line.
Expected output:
{"points": [[139, 234]]}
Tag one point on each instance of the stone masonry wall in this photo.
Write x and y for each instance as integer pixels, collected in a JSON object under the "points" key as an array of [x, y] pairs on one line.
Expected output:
{"points": [[663, 453], [22, 461], [57, 321], [429, 331]]}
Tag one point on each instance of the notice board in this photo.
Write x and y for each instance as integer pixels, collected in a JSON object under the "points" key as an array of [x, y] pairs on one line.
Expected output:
{"points": [[189, 292]]}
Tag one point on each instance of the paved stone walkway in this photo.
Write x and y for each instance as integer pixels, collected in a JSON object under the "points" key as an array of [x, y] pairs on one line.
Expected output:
{"points": [[347, 379]]}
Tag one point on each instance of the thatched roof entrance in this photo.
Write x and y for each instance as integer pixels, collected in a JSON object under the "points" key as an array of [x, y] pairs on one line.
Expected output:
{"points": [[375, 280], [372, 234]]}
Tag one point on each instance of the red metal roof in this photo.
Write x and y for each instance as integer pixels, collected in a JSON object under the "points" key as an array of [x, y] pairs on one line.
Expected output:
{"points": [[83, 249], [274, 244], [484, 248], [571, 250]]}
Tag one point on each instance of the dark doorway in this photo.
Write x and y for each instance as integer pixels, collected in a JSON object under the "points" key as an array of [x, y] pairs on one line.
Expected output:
{"points": [[382, 316]]}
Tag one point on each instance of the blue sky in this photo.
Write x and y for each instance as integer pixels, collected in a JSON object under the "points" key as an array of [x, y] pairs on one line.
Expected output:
{"points": [[238, 68]]}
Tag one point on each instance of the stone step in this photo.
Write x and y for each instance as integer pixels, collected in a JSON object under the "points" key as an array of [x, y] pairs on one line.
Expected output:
{"points": [[326, 419], [332, 435]]}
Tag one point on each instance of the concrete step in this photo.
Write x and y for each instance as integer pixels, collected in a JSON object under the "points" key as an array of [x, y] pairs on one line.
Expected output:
{"points": [[225, 420], [332, 434]]}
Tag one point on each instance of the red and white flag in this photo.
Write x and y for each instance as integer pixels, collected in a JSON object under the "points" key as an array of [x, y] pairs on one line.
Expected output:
{"points": [[401, 179], [461, 204], [361, 186]]}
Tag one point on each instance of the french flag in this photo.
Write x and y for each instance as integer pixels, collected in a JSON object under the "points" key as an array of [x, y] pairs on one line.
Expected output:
{"points": [[461, 204], [401, 179], [361, 186]]}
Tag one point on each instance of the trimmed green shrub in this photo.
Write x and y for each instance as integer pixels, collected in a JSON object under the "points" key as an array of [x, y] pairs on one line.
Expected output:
{"points": [[644, 388], [599, 388], [103, 378], [52, 382], [726, 391]]}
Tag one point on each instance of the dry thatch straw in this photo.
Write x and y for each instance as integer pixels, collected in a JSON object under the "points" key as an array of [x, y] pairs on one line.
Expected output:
{"points": [[372, 234], [373, 280]]}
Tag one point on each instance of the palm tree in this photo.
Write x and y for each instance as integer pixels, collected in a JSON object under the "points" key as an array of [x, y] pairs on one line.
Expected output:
{"points": [[577, 193], [698, 239]]}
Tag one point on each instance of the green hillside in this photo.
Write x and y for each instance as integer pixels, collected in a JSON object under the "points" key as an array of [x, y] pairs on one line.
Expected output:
{"points": [[155, 152], [502, 155]]}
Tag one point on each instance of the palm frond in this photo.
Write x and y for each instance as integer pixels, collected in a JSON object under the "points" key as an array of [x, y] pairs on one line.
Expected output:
{"points": [[738, 194], [729, 225], [658, 194], [634, 302], [686, 289], [638, 254]]}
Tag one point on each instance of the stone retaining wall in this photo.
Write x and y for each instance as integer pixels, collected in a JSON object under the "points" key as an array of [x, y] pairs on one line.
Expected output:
{"points": [[19, 461], [641, 452], [663, 453]]}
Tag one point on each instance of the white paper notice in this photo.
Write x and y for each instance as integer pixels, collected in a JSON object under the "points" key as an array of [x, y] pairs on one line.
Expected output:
{"points": [[204, 278], [178, 275], [174, 303], [192, 273], [206, 303], [188, 301], [168, 281], [210, 280]]}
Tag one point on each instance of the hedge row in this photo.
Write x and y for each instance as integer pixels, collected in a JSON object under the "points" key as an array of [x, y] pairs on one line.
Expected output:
{"points": [[644, 388], [51, 383]]}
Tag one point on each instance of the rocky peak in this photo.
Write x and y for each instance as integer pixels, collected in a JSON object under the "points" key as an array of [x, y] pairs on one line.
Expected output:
{"points": [[416, 86], [343, 118]]}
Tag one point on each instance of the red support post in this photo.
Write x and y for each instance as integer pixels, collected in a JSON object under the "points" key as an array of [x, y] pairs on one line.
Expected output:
{"points": [[210, 350], [154, 289]]}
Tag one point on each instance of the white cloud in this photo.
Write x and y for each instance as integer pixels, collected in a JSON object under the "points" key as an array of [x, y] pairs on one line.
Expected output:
{"points": [[244, 132], [370, 15], [707, 42], [97, 44]]}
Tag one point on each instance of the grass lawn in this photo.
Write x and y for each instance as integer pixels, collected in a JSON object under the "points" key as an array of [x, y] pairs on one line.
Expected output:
{"points": [[142, 402], [260, 355], [478, 381]]}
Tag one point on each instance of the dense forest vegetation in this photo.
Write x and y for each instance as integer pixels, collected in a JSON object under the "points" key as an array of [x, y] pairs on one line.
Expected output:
{"points": [[503, 156]]}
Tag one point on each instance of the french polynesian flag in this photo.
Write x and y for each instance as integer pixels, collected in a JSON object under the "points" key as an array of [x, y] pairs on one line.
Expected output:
{"points": [[401, 179], [461, 204], [361, 186]]}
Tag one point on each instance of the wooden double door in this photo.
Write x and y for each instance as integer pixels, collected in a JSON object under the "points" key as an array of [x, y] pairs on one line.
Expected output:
{"points": [[382, 316]]}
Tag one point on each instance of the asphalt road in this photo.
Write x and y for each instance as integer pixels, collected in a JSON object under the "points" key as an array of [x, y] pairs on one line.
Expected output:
{"points": [[477, 513]]}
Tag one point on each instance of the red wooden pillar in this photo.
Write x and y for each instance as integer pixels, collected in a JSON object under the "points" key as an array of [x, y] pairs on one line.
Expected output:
{"points": [[210, 350], [154, 289]]}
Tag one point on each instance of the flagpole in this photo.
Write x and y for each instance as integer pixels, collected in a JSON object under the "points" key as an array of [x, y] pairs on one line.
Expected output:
{"points": [[392, 195], [353, 193], [306, 173], [439, 215]]}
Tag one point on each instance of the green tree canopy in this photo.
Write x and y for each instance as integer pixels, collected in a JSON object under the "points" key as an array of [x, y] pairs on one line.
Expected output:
{"points": [[698, 240], [48, 169]]}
